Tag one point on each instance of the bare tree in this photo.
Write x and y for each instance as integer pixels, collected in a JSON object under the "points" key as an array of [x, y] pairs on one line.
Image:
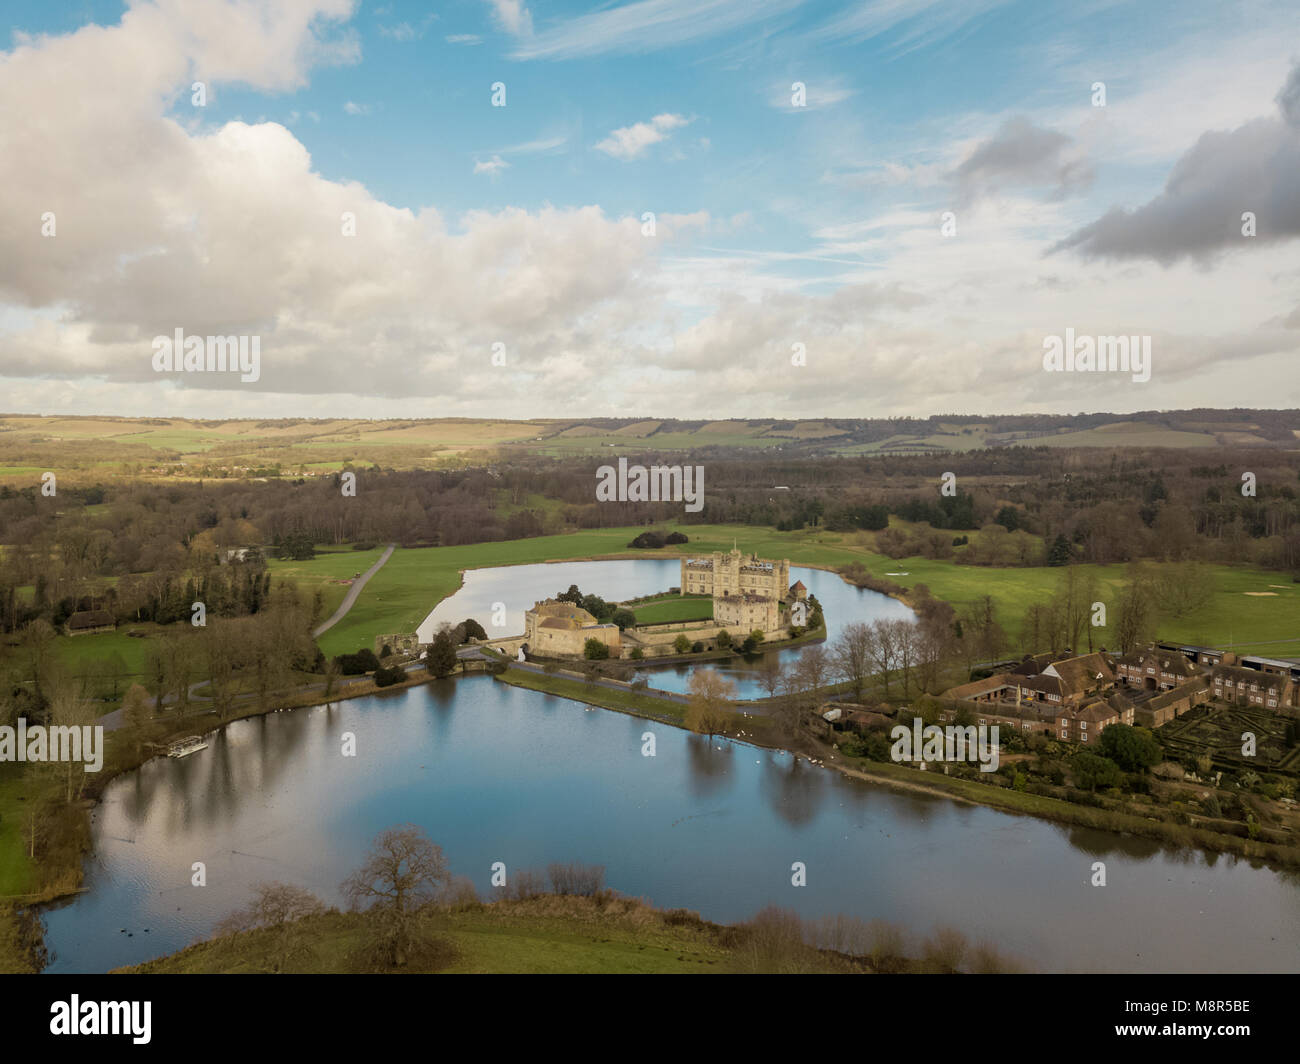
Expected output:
{"points": [[884, 651], [771, 675], [709, 704], [402, 873], [851, 656], [276, 907]]}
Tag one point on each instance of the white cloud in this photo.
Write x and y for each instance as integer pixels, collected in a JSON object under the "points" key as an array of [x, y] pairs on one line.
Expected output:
{"points": [[353, 108], [632, 141], [649, 25], [512, 16], [463, 38], [492, 167]]}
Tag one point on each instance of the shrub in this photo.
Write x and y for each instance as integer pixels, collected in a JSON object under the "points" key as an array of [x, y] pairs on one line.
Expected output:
{"points": [[578, 879], [697, 647], [682, 644], [637, 654], [364, 545], [386, 677], [595, 650]]}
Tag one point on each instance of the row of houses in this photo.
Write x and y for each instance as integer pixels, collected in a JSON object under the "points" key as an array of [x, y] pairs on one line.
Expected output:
{"points": [[1075, 698]]}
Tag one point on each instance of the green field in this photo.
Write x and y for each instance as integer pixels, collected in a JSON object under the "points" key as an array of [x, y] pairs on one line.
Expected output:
{"points": [[323, 572], [672, 608]]}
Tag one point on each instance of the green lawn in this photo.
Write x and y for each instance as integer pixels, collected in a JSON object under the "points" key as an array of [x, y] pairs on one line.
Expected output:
{"points": [[675, 608]]}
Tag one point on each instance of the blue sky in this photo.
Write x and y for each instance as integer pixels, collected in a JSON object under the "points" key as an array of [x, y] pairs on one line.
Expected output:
{"points": [[777, 224]]}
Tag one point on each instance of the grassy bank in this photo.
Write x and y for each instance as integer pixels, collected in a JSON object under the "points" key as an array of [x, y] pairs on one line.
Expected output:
{"points": [[546, 935], [640, 705]]}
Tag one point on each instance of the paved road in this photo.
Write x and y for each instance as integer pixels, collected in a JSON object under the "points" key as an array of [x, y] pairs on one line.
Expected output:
{"points": [[353, 592]]}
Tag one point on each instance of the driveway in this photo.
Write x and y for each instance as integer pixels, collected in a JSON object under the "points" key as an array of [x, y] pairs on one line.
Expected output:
{"points": [[353, 592]]}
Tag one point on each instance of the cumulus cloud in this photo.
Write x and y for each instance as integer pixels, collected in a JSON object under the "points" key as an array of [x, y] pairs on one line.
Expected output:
{"points": [[231, 230], [1019, 155], [632, 141]]}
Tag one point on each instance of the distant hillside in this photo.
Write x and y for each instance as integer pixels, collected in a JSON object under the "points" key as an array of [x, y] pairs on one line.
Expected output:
{"points": [[167, 446]]}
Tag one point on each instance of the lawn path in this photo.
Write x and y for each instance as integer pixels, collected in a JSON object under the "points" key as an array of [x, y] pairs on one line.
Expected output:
{"points": [[353, 592]]}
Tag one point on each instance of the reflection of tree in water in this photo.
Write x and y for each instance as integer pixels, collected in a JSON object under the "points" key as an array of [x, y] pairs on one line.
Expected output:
{"points": [[792, 788], [1109, 843], [709, 764]]}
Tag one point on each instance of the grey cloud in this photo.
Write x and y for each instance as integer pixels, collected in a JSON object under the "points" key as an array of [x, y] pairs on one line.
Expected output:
{"points": [[1022, 154], [1255, 168]]}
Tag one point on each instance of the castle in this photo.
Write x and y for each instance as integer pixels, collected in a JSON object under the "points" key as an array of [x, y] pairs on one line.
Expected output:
{"points": [[747, 592], [554, 629]]}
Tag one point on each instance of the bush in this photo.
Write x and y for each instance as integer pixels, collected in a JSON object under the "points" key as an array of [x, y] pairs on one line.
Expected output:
{"points": [[697, 647], [723, 640], [386, 677], [675, 537], [364, 545], [578, 879], [362, 661], [637, 654], [682, 645], [595, 650]]}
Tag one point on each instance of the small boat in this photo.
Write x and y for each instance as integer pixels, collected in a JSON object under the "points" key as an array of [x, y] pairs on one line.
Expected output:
{"points": [[191, 744]]}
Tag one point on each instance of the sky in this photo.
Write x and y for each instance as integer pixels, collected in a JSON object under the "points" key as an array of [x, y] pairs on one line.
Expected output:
{"points": [[658, 208]]}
